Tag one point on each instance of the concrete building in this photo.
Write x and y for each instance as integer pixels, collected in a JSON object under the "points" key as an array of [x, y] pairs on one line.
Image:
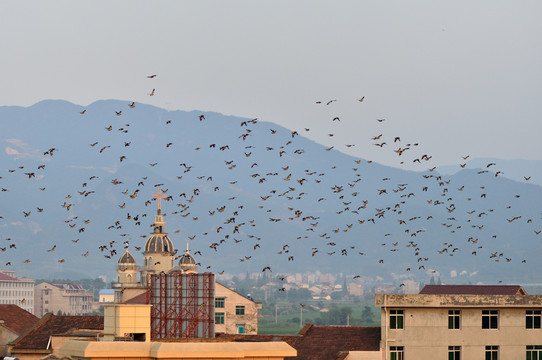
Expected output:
{"points": [[16, 291], [355, 289], [235, 313], [67, 298], [106, 296], [461, 322]]}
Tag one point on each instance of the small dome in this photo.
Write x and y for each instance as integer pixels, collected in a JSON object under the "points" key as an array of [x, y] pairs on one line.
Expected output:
{"points": [[127, 259], [187, 259], [159, 243], [187, 264]]}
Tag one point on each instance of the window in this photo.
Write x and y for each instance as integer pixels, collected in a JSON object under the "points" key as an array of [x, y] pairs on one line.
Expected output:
{"points": [[219, 318], [396, 353], [532, 319], [490, 319], [396, 319], [492, 352], [454, 317], [220, 302], [240, 310], [534, 352], [454, 352], [240, 328]]}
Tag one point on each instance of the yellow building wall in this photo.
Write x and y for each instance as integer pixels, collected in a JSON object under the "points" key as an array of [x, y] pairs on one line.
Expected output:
{"points": [[123, 319], [204, 350], [426, 334]]}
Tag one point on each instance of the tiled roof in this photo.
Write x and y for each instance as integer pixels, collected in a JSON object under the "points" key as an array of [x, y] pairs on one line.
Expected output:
{"points": [[38, 337], [323, 342], [16, 319], [5, 277], [138, 299], [473, 290]]}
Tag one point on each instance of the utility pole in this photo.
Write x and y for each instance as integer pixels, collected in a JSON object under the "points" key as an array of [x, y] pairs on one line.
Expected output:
{"points": [[276, 313], [301, 315]]}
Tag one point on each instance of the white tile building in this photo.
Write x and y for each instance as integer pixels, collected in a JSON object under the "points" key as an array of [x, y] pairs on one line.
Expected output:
{"points": [[16, 291]]}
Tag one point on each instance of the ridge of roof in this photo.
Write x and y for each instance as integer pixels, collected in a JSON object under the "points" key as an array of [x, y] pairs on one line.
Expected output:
{"points": [[238, 293]]}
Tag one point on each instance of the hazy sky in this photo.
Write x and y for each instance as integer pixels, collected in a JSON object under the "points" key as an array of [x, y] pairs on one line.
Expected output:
{"points": [[459, 77]]}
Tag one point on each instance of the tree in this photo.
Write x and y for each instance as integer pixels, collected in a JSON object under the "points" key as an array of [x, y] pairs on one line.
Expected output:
{"points": [[367, 315], [335, 316]]}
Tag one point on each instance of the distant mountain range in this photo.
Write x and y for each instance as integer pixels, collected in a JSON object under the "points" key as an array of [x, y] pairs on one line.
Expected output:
{"points": [[529, 171], [245, 194]]}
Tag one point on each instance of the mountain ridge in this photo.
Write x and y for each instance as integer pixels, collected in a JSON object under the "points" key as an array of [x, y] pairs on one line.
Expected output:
{"points": [[320, 214]]}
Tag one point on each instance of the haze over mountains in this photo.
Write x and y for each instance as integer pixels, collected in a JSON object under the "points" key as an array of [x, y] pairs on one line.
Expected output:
{"points": [[247, 194]]}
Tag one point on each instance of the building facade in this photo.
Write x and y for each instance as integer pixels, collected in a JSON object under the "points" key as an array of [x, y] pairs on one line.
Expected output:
{"points": [[461, 322], [66, 298], [16, 291], [235, 313]]}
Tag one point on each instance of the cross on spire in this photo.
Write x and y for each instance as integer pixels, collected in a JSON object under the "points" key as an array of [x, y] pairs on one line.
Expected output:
{"points": [[159, 196]]}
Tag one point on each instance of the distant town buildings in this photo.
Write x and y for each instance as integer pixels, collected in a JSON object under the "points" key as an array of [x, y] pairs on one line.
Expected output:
{"points": [[64, 298]]}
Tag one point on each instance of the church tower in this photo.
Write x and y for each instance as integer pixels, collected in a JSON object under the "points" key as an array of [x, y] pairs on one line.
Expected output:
{"points": [[187, 263], [159, 252], [127, 270]]}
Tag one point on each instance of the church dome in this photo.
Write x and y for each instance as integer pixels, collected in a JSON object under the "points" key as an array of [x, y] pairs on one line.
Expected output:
{"points": [[187, 264], [127, 259], [187, 259], [159, 243]]}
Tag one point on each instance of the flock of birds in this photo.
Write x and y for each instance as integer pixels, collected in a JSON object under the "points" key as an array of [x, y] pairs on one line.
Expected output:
{"points": [[306, 208]]}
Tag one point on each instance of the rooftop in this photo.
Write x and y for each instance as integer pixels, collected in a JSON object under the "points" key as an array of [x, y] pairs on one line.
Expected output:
{"points": [[323, 342], [4, 277], [38, 337], [473, 290], [16, 319]]}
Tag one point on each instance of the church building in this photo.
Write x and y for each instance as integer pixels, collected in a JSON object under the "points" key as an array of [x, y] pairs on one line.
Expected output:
{"points": [[235, 313]]}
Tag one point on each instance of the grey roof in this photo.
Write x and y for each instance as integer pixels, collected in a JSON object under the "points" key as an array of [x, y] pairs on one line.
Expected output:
{"points": [[127, 258], [159, 243]]}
